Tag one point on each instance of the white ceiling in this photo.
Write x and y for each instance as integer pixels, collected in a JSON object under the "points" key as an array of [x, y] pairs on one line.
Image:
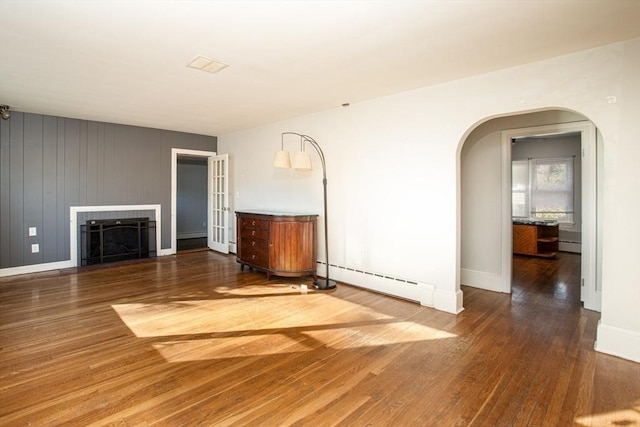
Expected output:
{"points": [[125, 61]]}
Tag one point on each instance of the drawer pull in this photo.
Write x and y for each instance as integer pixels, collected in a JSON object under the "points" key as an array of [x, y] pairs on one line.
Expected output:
{"points": [[253, 257], [253, 233], [253, 243], [253, 223]]}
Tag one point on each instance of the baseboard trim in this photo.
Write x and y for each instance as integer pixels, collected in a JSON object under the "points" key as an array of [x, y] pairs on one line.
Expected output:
{"points": [[192, 235], [481, 280], [451, 302], [618, 342], [572, 247], [421, 293], [49, 266], [35, 268]]}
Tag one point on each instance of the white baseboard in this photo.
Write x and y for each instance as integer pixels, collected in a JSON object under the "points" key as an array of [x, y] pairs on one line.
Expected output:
{"points": [[481, 280], [49, 266], [618, 342], [35, 268], [421, 293], [451, 302], [570, 247]]}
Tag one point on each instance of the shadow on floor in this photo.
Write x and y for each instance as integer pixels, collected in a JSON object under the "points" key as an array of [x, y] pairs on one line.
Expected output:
{"points": [[199, 243]]}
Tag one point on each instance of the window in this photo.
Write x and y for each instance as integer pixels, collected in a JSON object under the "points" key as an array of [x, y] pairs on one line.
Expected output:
{"points": [[520, 188], [542, 189]]}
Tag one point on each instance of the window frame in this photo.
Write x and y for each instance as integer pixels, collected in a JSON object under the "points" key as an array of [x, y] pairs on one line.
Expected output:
{"points": [[533, 194]]}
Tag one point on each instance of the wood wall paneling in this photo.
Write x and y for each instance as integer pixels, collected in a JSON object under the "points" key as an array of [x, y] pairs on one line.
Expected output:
{"points": [[16, 191], [108, 174], [62, 237], [92, 179], [82, 163], [33, 185], [72, 163], [5, 194], [50, 214]]}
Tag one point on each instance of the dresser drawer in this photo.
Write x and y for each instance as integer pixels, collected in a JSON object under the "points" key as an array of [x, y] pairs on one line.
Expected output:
{"points": [[250, 243], [254, 234], [254, 224], [255, 251]]}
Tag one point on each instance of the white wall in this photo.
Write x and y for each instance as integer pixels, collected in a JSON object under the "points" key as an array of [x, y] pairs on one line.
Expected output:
{"points": [[393, 173]]}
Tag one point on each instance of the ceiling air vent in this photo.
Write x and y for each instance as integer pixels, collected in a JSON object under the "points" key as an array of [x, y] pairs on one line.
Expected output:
{"points": [[206, 64]]}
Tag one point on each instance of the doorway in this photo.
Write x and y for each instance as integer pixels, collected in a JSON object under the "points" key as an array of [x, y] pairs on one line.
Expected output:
{"points": [[590, 291], [191, 203], [217, 212], [486, 217]]}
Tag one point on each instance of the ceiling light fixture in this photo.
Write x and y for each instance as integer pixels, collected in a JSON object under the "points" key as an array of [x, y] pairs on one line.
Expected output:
{"points": [[4, 112], [206, 64]]}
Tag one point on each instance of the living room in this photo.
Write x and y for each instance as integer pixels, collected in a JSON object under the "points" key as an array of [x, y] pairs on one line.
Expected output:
{"points": [[395, 202]]}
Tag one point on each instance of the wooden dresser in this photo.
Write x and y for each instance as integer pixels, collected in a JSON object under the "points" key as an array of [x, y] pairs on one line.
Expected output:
{"points": [[278, 243], [535, 239]]}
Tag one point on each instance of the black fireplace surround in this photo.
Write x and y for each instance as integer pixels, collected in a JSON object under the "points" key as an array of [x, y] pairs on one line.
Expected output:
{"points": [[110, 240]]}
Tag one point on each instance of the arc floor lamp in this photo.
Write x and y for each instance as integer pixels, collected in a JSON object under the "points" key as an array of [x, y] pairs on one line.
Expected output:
{"points": [[302, 161]]}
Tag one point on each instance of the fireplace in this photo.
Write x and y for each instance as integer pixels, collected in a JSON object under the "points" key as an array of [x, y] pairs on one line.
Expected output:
{"points": [[118, 239]]}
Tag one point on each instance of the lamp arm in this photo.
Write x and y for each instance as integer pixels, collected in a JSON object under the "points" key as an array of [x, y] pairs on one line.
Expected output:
{"points": [[329, 284]]}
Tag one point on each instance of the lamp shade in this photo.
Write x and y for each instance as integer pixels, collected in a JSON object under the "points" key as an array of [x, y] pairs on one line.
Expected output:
{"points": [[282, 160], [301, 161]]}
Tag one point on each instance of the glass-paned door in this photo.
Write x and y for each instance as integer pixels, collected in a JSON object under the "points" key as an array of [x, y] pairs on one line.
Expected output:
{"points": [[218, 212]]}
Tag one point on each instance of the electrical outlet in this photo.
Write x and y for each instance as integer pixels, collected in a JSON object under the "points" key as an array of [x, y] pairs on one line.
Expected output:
{"points": [[33, 231], [35, 248]]}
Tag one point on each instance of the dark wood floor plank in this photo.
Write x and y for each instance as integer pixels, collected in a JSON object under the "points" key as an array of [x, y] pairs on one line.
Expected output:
{"points": [[191, 340]]}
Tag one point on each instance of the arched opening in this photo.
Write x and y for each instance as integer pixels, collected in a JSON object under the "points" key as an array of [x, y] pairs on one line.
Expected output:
{"points": [[485, 203]]}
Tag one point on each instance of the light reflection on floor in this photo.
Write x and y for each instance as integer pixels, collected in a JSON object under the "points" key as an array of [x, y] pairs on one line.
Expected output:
{"points": [[560, 290], [260, 321], [624, 417]]}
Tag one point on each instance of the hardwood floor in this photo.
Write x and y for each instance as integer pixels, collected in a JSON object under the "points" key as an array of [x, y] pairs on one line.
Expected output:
{"points": [[190, 340]]}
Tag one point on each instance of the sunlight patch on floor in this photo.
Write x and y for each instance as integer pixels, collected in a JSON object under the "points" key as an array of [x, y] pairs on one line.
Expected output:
{"points": [[377, 334], [257, 290], [240, 314], [223, 348], [260, 322], [624, 417]]}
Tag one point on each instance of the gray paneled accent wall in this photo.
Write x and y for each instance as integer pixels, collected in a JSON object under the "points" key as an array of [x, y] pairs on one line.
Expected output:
{"points": [[48, 164]]}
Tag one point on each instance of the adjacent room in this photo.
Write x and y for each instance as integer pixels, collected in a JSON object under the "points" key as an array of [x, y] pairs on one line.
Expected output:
{"points": [[319, 213]]}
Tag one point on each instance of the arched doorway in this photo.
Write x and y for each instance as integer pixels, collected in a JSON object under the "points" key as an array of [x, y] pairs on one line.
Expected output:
{"points": [[485, 201]]}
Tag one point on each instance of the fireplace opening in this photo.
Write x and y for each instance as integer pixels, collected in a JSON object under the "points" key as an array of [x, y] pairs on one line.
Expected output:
{"points": [[110, 240]]}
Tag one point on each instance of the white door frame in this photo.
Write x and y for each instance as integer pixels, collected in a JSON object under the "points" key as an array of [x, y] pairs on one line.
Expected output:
{"points": [[175, 152], [591, 293]]}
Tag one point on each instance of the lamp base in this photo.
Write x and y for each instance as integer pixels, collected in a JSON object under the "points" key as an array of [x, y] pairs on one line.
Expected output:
{"points": [[324, 284]]}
